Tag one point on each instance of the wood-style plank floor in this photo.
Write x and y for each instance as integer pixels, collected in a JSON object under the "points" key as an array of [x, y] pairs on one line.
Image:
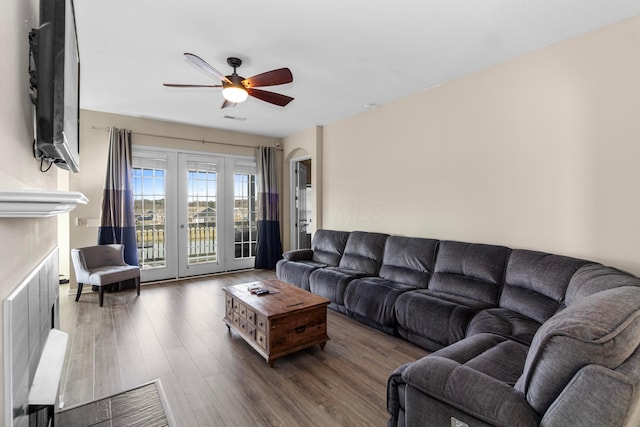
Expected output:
{"points": [[174, 332]]}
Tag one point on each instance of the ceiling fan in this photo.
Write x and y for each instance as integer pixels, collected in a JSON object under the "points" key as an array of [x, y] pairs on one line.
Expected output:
{"points": [[235, 88]]}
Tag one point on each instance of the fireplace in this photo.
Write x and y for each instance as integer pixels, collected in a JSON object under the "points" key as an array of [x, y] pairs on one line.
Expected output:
{"points": [[31, 319]]}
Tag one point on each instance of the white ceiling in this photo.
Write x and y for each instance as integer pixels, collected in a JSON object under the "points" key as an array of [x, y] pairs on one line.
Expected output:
{"points": [[343, 54]]}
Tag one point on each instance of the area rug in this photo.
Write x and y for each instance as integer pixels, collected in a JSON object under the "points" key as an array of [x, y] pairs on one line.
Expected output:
{"points": [[143, 406]]}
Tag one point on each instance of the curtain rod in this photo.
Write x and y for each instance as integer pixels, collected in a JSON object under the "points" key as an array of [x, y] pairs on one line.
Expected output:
{"points": [[204, 141]]}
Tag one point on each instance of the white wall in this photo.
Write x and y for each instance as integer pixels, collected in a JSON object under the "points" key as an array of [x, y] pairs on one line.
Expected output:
{"points": [[25, 242], [540, 152]]}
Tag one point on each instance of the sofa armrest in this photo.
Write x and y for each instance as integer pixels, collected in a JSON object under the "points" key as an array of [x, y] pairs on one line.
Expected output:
{"points": [[298, 255], [80, 266], [470, 391], [395, 394], [611, 405]]}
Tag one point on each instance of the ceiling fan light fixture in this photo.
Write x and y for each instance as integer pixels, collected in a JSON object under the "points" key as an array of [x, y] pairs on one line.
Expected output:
{"points": [[235, 94], [233, 90]]}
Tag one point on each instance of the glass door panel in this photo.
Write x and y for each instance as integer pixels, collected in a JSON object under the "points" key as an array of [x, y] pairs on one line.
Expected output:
{"points": [[149, 209], [153, 236], [245, 232], [199, 215]]}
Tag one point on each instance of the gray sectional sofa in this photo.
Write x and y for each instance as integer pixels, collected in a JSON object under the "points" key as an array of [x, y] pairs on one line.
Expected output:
{"points": [[519, 337]]}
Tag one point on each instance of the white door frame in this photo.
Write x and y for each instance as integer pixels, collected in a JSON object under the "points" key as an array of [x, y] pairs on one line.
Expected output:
{"points": [[292, 191]]}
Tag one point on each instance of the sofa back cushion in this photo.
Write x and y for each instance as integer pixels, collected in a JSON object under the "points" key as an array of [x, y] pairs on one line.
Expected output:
{"points": [[535, 283], [593, 278], [363, 252], [470, 270], [408, 260], [602, 329], [328, 246]]}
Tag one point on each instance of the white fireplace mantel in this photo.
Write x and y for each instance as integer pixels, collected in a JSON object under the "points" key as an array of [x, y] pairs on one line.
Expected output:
{"points": [[38, 203]]}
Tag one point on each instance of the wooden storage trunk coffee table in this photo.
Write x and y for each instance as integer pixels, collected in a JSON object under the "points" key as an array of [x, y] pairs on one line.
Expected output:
{"points": [[285, 320]]}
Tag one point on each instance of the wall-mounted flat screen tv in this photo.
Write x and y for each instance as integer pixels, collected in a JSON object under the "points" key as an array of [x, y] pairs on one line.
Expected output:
{"points": [[55, 82]]}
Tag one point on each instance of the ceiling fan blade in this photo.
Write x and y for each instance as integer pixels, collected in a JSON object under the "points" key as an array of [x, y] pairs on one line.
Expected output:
{"points": [[269, 78], [187, 85], [204, 65], [270, 97]]}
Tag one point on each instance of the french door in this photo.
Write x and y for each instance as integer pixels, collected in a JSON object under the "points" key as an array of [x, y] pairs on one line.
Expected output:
{"points": [[195, 213]]}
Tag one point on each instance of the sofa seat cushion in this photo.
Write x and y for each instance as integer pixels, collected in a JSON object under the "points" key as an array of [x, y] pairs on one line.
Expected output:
{"points": [[477, 375], [431, 321], [602, 329], [502, 321], [455, 299], [297, 272], [371, 300], [112, 274], [331, 283]]}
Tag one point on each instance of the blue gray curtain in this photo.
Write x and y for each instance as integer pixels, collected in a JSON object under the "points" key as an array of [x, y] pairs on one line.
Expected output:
{"points": [[117, 221], [269, 245]]}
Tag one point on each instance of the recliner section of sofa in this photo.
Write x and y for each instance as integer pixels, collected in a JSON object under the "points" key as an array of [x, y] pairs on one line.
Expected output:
{"points": [[407, 264], [362, 257], [534, 290], [466, 380], [327, 248], [520, 337], [467, 278]]}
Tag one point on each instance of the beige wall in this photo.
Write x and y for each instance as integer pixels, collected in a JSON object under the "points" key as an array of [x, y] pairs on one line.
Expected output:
{"points": [[94, 147], [539, 152], [25, 242]]}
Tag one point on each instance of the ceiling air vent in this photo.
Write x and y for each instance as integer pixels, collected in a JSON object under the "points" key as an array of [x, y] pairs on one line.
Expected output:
{"points": [[241, 119]]}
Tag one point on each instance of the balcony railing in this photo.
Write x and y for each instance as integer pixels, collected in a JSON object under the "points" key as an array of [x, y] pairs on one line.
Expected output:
{"points": [[201, 244]]}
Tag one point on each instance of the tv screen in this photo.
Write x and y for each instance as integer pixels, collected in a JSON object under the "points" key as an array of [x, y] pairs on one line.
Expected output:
{"points": [[55, 78]]}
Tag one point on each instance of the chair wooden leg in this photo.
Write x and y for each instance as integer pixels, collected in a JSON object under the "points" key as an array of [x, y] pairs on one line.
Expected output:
{"points": [[138, 285], [79, 291], [101, 296]]}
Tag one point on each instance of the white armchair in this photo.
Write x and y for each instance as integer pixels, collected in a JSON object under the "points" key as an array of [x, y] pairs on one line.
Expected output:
{"points": [[102, 265]]}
